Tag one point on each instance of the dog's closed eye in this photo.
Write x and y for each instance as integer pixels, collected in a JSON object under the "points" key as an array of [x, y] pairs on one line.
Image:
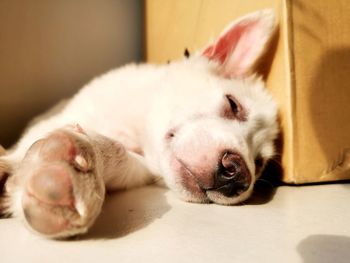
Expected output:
{"points": [[233, 109]]}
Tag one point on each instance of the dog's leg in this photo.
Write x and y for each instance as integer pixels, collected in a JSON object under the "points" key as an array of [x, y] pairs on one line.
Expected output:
{"points": [[59, 186]]}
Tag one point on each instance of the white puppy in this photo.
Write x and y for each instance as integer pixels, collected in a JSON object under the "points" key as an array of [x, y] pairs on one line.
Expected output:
{"points": [[205, 124]]}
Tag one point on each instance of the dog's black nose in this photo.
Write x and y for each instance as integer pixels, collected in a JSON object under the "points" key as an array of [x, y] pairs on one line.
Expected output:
{"points": [[233, 177]]}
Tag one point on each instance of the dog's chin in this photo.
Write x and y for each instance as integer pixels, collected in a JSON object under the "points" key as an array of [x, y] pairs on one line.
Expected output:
{"points": [[212, 196], [219, 198]]}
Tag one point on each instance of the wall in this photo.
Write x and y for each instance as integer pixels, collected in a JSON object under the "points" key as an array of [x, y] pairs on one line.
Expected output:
{"points": [[49, 49]]}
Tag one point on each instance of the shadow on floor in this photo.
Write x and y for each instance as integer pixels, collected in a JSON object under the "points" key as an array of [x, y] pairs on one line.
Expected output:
{"points": [[325, 248], [264, 192], [128, 211], [266, 186]]}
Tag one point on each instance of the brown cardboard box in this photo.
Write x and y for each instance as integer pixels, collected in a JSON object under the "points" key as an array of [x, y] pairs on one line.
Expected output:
{"points": [[309, 75]]}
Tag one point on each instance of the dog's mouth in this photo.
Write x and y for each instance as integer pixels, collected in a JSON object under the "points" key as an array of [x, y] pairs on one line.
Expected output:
{"points": [[190, 188], [193, 190]]}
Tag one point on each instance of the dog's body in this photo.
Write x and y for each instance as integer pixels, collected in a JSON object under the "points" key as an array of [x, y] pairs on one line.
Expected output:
{"points": [[205, 124]]}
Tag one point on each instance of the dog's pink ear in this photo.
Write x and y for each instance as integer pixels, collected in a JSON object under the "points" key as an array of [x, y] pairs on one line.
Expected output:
{"points": [[241, 44]]}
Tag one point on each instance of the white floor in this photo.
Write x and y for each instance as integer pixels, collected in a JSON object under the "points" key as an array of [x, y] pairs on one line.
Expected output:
{"points": [[295, 224]]}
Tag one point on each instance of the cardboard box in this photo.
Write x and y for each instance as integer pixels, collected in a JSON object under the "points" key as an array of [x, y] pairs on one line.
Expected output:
{"points": [[309, 74]]}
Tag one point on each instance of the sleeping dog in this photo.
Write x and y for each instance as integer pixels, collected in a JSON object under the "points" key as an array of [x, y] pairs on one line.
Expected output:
{"points": [[205, 124]]}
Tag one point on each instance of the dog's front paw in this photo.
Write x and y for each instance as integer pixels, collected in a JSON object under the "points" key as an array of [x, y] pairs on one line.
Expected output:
{"points": [[62, 191]]}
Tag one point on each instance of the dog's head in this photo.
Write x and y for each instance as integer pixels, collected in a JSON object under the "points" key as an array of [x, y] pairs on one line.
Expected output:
{"points": [[213, 123]]}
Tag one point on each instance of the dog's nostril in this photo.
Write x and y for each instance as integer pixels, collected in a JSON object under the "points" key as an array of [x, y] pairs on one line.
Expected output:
{"points": [[231, 165], [233, 177]]}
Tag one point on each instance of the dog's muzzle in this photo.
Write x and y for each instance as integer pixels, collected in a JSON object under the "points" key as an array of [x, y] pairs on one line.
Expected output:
{"points": [[232, 177]]}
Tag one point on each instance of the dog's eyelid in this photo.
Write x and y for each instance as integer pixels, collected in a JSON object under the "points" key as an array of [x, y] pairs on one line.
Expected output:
{"points": [[234, 109], [233, 104]]}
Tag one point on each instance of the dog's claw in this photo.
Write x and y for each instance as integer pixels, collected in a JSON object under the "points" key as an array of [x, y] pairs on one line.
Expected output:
{"points": [[81, 163]]}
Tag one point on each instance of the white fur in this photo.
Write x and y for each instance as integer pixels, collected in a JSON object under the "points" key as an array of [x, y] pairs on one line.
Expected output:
{"points": [[139, 105], [138, 112]]}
